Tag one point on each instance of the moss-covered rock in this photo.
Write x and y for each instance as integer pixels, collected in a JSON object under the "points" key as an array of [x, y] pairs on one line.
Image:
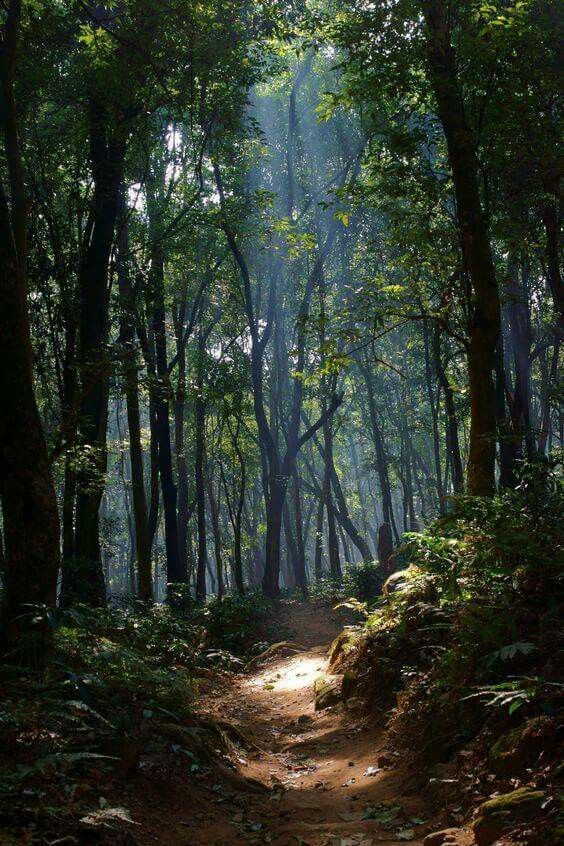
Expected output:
{"points": [[328, 691], [412, 582], [339, 649], [521, 747], [506, 812]]}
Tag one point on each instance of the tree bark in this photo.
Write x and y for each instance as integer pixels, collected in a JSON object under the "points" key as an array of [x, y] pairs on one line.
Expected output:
{"points": [[381, 459], [485, 322], [107, 152], [131, 387], [451, 423], [174, 571], [199, 435], [30, 555]]}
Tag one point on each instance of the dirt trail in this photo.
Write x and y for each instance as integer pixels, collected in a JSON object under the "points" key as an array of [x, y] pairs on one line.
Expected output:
{"points": [[317, 766]]}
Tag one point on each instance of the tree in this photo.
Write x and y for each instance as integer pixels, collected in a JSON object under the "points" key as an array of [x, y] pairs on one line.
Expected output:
{"points": [[29, 505]]}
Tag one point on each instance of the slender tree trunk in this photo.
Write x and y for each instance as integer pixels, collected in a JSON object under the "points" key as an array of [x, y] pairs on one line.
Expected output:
{"points": [[521, 337], [318, 560], [551, 220], [451, 424], [301, 576], [385, 549], [216, 531], [179, 448], [545, 422], [381, 459], [332, 539], [175, 572], [68, 428], [277, 485], [131, 386], [508, 444], [485, 323], [107, 152], [199, 435], [154, 492], [433, 405]]}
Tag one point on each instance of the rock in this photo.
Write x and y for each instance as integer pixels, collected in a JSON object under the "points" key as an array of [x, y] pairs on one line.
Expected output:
{"points": [[386, 760], [339, 649], [520, 748], [397, 581], [328, 691], [506, 812], [442, 838], [412, 582], [353, 703]]}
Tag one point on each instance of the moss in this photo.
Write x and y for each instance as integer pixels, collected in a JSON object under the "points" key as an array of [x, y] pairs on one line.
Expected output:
{"points": [[521, 747], [505, 812], [328, 691], [339, 649]]}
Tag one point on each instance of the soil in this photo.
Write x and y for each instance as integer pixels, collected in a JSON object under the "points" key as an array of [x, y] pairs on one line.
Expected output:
{"points": [[324, 772]]}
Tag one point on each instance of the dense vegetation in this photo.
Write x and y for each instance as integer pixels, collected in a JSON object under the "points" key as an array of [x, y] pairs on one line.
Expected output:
{"points": [[281, 314]]}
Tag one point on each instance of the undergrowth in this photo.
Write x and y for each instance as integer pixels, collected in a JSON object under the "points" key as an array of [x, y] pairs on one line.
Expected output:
{"points": [[466, 644], [115, 677]]}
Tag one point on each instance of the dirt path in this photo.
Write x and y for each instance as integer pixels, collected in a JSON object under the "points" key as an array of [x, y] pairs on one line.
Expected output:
{"points": [[320, 767]]}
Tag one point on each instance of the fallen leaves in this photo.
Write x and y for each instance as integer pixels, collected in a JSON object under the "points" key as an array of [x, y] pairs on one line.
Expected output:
{"points": [[108, 817]]}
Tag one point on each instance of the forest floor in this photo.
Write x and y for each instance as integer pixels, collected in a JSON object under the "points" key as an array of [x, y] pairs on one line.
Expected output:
{"points": [[330, 779]]}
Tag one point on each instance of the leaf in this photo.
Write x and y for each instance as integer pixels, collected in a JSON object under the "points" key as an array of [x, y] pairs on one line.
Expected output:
{"points": [[108, 817], [405, 834], [371, 771]]}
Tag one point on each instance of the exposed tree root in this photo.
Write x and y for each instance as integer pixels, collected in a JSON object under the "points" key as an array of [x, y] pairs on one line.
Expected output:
{"points": [[274, 647], [198, 739]]}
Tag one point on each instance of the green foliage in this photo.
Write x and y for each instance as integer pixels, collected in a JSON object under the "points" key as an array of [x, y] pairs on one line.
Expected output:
{"points": [[495, 548], [363, 580], [237, 622], [471, 630]]}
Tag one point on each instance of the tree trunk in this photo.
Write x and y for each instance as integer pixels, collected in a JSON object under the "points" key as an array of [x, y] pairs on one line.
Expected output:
{"points": [[484, 328], [214, 512], [521, 338], [451, 423], [30, 555], [551, 220], [433, 405], [199, 435], [381, 459], [385, 549], [318, 559], [179, 449], [274, 512], [508, 440], [131, 386], [301, 576], [107, 152], [174, 571]]}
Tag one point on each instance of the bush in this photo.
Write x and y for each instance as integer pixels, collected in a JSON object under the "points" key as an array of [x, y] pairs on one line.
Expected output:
{"points": [[237, 622], [363, 581], [472, 631]]}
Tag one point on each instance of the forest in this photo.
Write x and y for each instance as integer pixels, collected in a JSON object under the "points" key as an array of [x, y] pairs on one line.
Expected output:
{"points": [[281, 327]]}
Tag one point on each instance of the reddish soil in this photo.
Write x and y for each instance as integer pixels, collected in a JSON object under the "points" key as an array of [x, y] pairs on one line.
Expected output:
{"points": [[316, 766]]}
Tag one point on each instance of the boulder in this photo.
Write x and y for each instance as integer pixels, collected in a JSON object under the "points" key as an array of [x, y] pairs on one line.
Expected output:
{"points": [[506, 812], [411, 582], [328, 691], [339, 648], [521, 747]]}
